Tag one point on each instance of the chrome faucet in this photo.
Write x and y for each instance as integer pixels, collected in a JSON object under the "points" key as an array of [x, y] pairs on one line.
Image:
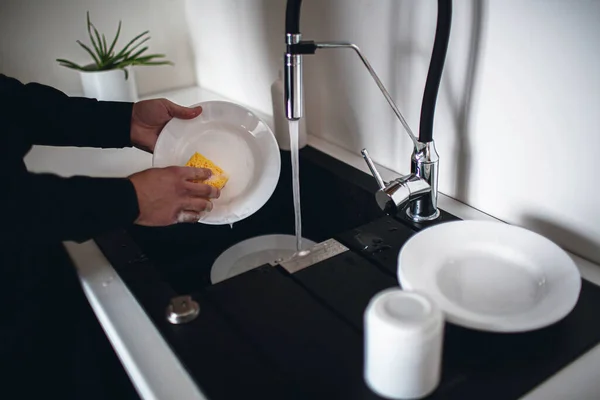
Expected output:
{"points": [[420, 188]]}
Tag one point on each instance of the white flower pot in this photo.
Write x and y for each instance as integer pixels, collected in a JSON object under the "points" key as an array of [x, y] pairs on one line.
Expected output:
{"points": [[109, 85]]}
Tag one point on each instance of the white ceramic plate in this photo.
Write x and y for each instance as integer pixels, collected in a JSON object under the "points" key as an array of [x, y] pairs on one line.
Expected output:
{"points": [[252, 253], [491, 276], [237, 141]]}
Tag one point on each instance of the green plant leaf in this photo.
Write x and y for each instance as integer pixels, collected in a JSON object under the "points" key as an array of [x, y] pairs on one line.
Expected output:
{"points": [[69, 64], [124, 50], [105, 46], [71, 67], [124, 64], [155, 63], [149, 57], [96, 60], [101, 53], [112, 46], [136, 55], [89, 27], [146, 60], [127, 54], [119, 58]]}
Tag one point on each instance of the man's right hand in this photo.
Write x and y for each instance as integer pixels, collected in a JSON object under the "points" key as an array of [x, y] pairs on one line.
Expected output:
{"points": [[167, 196]]}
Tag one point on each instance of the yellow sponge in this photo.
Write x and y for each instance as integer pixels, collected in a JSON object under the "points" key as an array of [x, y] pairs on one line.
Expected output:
{"points": [[218, 178]]}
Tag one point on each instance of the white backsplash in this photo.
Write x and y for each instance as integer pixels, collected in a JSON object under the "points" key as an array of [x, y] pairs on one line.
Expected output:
{"points": [[516, 123]]}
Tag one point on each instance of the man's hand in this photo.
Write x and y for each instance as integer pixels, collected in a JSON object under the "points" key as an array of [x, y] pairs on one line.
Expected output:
{"points": [[166, 196], [150, 116]]}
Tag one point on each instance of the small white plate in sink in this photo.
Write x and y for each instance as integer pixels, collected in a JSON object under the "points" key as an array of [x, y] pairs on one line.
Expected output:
{"points": [[236, 140], [491, 276], [254, 252]]}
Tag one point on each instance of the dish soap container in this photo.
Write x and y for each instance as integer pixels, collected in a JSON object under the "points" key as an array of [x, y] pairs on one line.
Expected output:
{"points": [[281, 129]]}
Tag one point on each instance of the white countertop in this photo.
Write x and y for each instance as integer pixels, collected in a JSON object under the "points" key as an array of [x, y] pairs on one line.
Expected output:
{"points": [[153, 368]]}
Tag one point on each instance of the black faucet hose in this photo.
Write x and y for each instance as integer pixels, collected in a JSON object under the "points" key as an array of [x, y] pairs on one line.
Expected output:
{"points": [[292, 16], [436, 66]]}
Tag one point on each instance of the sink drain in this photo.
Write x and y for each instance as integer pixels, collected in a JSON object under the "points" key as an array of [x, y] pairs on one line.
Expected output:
{"points": [[254, 252]]}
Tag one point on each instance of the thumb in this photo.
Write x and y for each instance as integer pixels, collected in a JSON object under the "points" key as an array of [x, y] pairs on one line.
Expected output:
{"points": [[177, 111]]}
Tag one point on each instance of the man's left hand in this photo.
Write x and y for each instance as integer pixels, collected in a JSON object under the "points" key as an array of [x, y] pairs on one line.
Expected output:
{"points": [[150, 116]]}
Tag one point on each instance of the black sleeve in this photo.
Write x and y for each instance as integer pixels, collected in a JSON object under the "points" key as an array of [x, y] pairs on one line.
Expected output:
{"points": [[49, 208], [55, 119], [46, 207]]}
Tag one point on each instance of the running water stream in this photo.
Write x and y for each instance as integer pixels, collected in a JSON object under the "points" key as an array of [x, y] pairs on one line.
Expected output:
{"points": [[296, 182]]}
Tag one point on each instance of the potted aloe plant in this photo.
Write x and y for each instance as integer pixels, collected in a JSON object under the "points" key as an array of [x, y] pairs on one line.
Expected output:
{"points": [[110, 76]]}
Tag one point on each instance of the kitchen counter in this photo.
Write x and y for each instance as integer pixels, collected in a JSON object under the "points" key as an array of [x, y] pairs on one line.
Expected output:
{"points": [[150, 363]]}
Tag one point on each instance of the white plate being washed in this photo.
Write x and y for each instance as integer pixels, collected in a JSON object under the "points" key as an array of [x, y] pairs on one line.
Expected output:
{"points": [[236, 140], [491, 276]]}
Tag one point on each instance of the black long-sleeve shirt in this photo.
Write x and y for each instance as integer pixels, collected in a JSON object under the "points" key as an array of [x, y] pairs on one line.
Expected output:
{"points": [[39, 292], [45, 207]]}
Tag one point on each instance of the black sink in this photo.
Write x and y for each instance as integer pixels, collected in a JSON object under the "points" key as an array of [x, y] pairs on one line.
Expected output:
{"points": [[270, 334]]}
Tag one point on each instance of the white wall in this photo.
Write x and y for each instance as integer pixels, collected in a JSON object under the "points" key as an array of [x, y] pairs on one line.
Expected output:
{"points": [[33, 33], [517, 122]]}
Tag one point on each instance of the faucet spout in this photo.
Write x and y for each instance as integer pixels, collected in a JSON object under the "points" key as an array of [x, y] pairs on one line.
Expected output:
{"points": [[293, 85]]}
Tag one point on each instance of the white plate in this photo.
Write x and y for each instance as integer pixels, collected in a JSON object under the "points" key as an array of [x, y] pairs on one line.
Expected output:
{"points": [[491, 276], [252, 253], [237, 141]]}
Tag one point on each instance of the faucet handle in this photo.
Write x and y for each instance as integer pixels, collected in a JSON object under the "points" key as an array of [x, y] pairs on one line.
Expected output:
{"points": [[397, 192], [400, 191], [374, 171]]}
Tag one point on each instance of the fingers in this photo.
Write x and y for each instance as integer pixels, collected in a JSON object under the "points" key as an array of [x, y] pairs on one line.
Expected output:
{"points": [[191, 173], [194, 210], [198, 205], [177, 111], [189, 217], [193, 198], [202, 190]]}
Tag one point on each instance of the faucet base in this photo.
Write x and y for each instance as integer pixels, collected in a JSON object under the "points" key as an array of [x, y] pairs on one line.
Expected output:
{"points": [[425, 164], [420, 218]]}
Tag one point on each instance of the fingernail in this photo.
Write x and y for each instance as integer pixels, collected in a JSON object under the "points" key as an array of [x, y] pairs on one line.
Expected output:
{"points": [[209, 207], [214, 193]]}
